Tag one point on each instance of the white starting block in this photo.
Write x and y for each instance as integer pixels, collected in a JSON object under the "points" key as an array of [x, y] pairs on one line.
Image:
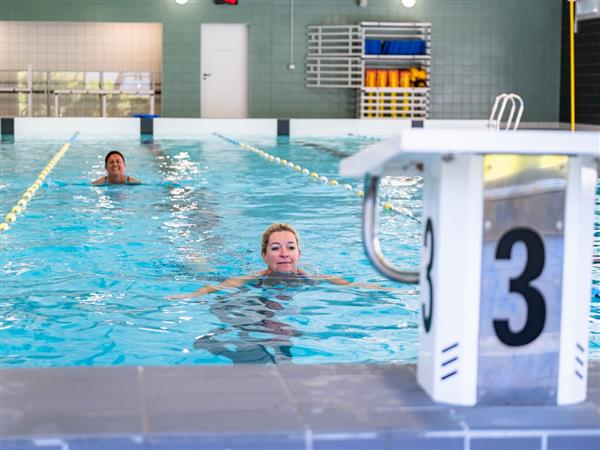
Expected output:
{"points": [[506, 259]]}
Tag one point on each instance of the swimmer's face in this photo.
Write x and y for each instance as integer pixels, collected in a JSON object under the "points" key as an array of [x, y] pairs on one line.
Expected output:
{"points": [[282, 253], [115, 165]]}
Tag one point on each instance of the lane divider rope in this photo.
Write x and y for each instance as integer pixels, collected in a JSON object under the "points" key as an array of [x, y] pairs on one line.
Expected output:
{"points": [[313, 175], [31, 190]]}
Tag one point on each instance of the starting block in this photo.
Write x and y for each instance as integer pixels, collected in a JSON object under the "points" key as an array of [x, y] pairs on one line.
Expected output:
{"points": [[505, 278]]}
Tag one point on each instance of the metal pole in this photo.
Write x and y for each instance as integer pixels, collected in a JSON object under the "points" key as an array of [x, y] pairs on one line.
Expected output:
{"points": [[30, 92], [572, 61]]}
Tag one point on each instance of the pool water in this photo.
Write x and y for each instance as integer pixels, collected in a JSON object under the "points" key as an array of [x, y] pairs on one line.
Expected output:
{"points": [[86, 270]]}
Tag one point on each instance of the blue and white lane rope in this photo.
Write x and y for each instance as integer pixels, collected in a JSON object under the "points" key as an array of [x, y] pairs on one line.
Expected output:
{"points": [[312, 174], [18, 209]]}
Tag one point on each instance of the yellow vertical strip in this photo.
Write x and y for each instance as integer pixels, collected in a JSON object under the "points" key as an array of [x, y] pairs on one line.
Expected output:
{"points": [[572, 61]]}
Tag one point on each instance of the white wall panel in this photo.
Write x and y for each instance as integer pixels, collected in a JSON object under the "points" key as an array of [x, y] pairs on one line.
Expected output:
{"points": [[89, 128], [344, 127], [189, 128]]}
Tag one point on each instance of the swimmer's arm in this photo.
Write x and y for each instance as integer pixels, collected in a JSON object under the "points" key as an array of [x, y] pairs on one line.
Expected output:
{"points": [[100, 180], [229, 283], [343, 282], [132, 180]]}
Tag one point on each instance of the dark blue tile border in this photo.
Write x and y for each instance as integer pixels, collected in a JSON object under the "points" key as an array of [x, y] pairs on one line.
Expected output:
{"points": [[7, 127], [574, 442], [91, 443], [504, 443], [283, 127], [250, 441], [146, 126], [402, 442]]}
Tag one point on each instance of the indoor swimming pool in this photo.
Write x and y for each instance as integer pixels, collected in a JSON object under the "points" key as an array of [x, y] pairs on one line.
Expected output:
{"points": [[86, 270]]}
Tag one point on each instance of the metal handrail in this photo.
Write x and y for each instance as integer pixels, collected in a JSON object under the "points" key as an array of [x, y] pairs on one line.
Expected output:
{"points": [[371, 241], [504, 98], [151, 93]]}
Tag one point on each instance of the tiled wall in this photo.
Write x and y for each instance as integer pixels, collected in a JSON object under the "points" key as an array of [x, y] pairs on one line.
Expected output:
{"points": [[71, 55], [479, 48], [70, 46]]}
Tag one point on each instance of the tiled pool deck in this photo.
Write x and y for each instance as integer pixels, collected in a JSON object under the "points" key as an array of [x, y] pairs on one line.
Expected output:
{"points": [[268, 407]]}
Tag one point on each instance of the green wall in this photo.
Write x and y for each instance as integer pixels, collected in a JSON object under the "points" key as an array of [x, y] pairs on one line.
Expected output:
{"points": [[479, 48]]}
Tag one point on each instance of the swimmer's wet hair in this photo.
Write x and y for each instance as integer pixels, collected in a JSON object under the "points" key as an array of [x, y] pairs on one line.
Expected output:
{"points": [[273, 229], [109, 154]]}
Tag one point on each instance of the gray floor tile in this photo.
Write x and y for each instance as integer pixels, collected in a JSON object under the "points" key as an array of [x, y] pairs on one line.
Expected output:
{"points": [[67, 401], [235, 421], [332, 420], [264, 406], [359, 420], [368, 388], [413, 420], [312, 370], [202, 379], [218, 399], [593, 395]]}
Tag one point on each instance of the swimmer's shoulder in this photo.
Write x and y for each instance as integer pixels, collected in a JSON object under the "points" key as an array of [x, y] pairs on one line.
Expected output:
{"points": [[267, 272], [100, 181], [303, 274], [333, 279], [260, 276], [132, 180]]}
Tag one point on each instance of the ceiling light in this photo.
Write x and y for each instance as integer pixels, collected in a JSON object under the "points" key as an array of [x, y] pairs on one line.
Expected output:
{"points": [[408, 3], [181, 2]]}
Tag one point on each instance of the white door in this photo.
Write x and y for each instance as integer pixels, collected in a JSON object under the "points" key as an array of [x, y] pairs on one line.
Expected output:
{"points": [[224, 70]]}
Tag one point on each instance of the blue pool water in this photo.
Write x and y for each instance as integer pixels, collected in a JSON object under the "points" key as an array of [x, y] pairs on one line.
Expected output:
{"points": [[86, 270]]}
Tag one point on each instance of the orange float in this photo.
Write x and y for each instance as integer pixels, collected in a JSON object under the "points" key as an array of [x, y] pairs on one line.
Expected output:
{"points": [[370, 81], [394, 82]]}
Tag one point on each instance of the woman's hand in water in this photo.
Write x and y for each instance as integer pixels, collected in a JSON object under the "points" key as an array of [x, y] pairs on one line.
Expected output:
{"points": [[179, 296], [343, 282], [227, 284], [196, 293]]}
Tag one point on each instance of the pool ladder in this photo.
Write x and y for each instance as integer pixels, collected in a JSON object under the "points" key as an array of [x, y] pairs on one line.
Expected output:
{"points": [[502, 100]]}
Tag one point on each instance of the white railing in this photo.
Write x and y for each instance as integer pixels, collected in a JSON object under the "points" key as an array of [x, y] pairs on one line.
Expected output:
{"points": [[51, 87], [495, 121], [102, 93]]}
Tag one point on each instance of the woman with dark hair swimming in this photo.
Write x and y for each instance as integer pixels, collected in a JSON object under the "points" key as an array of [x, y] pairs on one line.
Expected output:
{"points": [[114, 163]]}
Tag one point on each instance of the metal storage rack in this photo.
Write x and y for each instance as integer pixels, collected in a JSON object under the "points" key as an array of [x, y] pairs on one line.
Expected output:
{"points": [[338, 58], [334, 56]]}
